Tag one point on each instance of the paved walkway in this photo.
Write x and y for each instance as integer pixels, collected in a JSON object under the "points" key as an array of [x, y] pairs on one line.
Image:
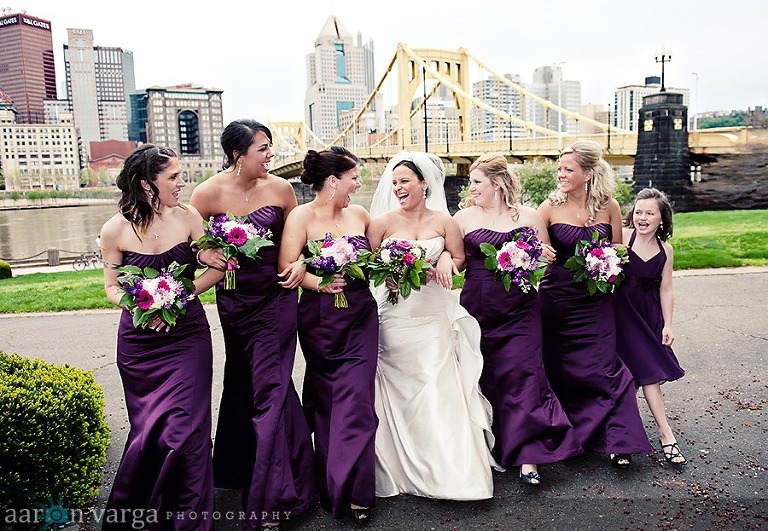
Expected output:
{"points": [[718, 411]]}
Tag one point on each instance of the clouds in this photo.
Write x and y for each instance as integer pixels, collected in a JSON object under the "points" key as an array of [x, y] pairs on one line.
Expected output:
{"points": [[256, 51]]}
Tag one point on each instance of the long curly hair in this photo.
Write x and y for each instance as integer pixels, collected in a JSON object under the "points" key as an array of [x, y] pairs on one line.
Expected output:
{"points": [[602, 185], [664, 232], [496, 168], [145, 163]]}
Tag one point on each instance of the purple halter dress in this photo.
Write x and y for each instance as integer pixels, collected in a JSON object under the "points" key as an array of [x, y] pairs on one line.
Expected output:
{"points": [[262, 441], [166, 466], [528, 422], [340, 346], [639, 321], [595, 388]]}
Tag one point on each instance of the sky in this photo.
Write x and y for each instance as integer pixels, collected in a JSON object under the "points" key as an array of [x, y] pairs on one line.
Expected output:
{"points": [[255, 50]]}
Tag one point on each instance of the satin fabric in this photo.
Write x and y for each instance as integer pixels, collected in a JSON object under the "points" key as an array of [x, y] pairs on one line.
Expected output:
{"points": [[340, 347], [529, 424], [166, 466], [639, 321], [434, 435], [594, 387], [262, 443]]}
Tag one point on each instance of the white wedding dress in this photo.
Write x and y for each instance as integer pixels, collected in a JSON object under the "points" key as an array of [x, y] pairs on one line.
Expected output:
{"points": [[434, 429]]}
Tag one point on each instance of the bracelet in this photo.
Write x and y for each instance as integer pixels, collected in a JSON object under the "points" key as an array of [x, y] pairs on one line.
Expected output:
{"points": [[200, 262]]}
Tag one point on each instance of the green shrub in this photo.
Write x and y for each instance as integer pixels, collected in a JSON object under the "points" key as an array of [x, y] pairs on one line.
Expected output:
{"points": [[538, 177], [55, 436], [5, 270]]}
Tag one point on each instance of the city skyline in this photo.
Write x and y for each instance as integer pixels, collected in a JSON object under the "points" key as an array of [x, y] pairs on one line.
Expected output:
{"points": [[597, 44]]}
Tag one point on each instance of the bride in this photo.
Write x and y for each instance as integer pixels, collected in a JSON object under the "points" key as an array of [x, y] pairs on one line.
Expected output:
{"points": [[434, 429]]}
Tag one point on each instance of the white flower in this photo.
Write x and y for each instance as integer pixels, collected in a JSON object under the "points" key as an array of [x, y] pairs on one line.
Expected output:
{"points": [[386, 255]]}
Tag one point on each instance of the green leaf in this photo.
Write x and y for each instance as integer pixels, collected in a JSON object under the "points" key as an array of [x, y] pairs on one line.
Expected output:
{"points": [[314, 247], [151, 272], [169, 317], [414, 277], [506, 281], [488, 249], [324, 281], [354, 271], [457, 281], [130, 269], [405, 290], [137, 318], [591, 287], [490, 263]]}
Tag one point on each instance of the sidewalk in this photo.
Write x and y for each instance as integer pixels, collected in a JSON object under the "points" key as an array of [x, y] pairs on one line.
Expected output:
{"points": [[718, 411]]}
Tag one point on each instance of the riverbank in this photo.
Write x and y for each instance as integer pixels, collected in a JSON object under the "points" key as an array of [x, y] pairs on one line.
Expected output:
{"points": [[53, 202]]}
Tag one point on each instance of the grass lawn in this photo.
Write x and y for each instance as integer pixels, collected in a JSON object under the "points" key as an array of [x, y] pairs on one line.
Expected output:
{"points": [[701, 240]]}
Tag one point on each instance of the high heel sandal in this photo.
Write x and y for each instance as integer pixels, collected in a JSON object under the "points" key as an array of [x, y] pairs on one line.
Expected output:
{"points": [[621, 460], [361, 515], [673, 453], [530, 478]]}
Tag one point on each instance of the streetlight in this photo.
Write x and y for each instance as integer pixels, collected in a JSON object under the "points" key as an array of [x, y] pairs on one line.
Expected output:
{"points": [[559, 105], [695, 101], [663, 57]]}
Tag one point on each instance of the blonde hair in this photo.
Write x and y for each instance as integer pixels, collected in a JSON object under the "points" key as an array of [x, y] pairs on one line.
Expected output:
{"points": [[495, 167], [602, 185]]}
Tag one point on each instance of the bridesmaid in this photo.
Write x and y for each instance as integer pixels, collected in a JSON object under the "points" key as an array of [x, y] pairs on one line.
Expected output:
{"points": [[166, 371], [646, 299], [339, 344], [595, 388], [263, 443], [528, 422]]}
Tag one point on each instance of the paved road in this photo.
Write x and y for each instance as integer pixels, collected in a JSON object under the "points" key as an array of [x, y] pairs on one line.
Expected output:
{"points": [[718, 412]]}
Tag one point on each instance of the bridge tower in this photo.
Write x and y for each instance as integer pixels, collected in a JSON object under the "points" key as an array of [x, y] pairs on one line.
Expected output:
{"points": [[410, 75], [663, 157]]}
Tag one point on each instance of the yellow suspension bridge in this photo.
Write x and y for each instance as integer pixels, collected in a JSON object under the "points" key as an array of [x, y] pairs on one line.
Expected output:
{"points": [[451, 138]]}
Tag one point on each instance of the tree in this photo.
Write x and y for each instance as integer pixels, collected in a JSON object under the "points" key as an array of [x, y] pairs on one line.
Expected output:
{"points": [[538, 177]]}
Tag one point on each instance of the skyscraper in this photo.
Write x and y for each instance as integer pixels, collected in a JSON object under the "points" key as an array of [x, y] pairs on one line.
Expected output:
{"points": [[629, 99], [99, 82], [487, 125], [548, 83], [336, 78], [27, 71]]}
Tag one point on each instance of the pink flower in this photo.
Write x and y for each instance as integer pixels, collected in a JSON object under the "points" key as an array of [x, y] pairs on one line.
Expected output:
{"points": [[144, 300], [522, 245], [237, 236], [403, 244], [409, 258], [612, 279], [505, 260], [597, 252], [163, 285]]}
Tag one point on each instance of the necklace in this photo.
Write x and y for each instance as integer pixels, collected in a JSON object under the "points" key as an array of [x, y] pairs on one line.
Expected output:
{"points": [[493, 223], [248, 196]]}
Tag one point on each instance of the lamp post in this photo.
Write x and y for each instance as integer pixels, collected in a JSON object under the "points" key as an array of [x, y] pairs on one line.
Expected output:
{"points": [[559, 71], [426, 128], [663, 57], [609, 129], [695, 101]]}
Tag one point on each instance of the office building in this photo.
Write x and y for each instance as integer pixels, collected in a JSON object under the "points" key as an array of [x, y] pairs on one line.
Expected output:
{"points": [[499, 95], [27, 71], [548, 83], [39, 156], [99, 82], [338, 74], [187, 118], [629, 99]]}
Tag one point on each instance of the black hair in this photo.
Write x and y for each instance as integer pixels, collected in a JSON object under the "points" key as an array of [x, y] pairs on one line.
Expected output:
{"points": [[237, 137], [145, 163], [664, 232], [415, 169], [319, 165]]}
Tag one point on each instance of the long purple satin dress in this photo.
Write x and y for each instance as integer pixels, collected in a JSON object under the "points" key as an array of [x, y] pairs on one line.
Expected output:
{"points": [[595, 388], [340, 346], [529, 424], [166, 466], [262, 442], [639, 321]]}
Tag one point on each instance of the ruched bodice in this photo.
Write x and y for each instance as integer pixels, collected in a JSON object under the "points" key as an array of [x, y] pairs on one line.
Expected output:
{"points": [[476, 259], [564, 237]]}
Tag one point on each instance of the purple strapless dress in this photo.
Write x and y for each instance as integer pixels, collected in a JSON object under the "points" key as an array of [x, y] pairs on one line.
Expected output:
{"points": [[639, 321], [340, 346], [262, 442], [529, 424], [595, 388], [166, 466]]}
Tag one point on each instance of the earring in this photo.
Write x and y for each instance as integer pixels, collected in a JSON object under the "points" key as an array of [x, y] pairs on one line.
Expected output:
{"points": [[239, 166], [661, 226], [586, 188], [425, 193], [496, 195]]}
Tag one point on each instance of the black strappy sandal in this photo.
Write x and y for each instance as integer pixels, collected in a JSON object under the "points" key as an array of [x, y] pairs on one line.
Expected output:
{"points": [[621, 460], [671, 452], [361, 516]]}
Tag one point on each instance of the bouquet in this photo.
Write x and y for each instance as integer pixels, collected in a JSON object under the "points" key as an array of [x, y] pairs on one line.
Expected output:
{"points": [[150, 293], [337, 255], [403, 262], [235, 235], [599, 263], [518, 261]]}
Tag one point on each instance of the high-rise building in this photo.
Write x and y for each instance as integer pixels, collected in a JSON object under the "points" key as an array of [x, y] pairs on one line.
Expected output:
{"points": [[27, 70], [189, 119], [548, 83], [99, 82], [487, 125], [39, 156], [629, 99], [336, 78]]}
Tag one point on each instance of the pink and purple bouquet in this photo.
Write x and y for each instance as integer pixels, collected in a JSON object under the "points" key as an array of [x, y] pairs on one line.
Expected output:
{"points": [[235, 235], [599, 263], [517, 262], [151, 293], [402, 261], [337, 255]]}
